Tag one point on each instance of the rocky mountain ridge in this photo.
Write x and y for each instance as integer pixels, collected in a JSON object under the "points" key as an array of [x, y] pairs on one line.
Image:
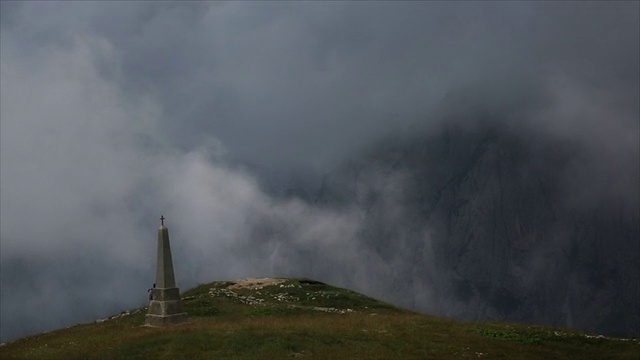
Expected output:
{"points": [[484, 222]]}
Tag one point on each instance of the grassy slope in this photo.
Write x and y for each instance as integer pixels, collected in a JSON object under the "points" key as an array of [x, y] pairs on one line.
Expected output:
{"points": [[306, 319]]}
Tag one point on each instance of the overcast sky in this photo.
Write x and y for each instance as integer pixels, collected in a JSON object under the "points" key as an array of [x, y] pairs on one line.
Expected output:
{"points": [[113, 113]]}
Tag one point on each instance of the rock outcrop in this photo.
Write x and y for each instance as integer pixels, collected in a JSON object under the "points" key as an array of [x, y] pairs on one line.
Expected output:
{"points": [[486, 223]]}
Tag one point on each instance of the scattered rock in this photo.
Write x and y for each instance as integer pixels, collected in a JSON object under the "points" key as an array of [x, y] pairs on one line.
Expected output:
{"points": [[332, 310], [255, 283]]}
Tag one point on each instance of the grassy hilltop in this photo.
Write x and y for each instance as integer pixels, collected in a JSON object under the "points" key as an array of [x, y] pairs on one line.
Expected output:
{"points": [[302, 318]]}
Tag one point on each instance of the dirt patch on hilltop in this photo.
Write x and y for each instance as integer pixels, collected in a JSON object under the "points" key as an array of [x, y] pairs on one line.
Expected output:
{"points": [[255, 283]]}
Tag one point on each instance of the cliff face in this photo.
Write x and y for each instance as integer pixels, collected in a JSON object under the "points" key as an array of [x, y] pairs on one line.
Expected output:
{"points": [[485, 223]]}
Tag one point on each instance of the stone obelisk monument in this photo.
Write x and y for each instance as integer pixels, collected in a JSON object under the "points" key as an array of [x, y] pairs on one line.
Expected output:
{"points": [[165, 307]]}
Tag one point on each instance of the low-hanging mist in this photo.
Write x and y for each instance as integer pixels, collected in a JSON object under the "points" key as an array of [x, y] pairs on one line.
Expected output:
{"points": [[471, 160]]}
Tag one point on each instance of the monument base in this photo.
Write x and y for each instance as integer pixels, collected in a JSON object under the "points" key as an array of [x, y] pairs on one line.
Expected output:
{"points": [[165, 320], [165, 308]]}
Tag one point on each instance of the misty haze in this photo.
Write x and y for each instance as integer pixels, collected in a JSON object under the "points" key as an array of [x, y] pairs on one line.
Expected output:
{"points": [[477, 160]]}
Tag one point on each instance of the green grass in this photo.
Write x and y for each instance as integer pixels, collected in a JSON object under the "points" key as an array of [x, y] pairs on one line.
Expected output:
{"points": [[302, 318], [532, 338]]}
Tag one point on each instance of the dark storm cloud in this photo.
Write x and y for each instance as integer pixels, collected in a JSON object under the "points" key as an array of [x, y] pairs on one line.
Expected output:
{"points": [[115, 112], [269, 78], [279, 83]]}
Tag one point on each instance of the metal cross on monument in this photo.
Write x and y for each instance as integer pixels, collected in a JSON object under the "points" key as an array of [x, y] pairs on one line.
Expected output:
{"points": [[161, 219]]}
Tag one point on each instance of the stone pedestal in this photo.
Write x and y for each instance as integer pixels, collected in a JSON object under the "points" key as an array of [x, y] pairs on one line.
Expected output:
{"points": [[165, 307]]}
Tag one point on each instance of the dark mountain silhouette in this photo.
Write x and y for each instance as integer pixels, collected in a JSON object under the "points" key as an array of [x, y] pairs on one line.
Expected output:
{"points": [[487, 222]]}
